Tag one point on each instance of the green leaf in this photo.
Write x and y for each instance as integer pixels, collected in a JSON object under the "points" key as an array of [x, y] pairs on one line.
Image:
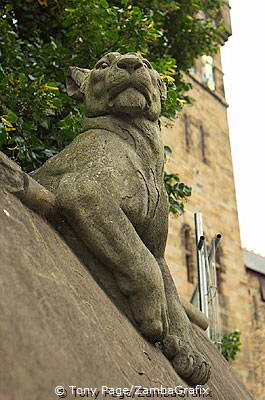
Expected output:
{"points": [[104, 3], [12, 117], [45, 123], [230, 345], [3, 135], [23, 80]]}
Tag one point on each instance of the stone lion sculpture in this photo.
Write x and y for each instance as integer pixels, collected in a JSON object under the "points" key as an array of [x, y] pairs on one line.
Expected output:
{"points": [[109, 186]]}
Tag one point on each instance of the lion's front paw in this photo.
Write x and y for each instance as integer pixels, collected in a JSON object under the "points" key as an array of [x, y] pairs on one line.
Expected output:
{"points": [[150, 313], [187, 362]]}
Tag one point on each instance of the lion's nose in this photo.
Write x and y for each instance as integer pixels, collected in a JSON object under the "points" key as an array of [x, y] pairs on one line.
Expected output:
{"points": [[130, 64]]}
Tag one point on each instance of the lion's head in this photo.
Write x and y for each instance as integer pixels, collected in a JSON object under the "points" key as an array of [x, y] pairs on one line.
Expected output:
{"points": [[118, 84]]}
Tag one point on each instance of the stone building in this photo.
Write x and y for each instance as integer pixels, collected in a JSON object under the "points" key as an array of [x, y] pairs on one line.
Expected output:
{"points": [[255, 270], [201, 155]]}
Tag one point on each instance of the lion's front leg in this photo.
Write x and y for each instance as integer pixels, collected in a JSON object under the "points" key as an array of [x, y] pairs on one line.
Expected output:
{"points": [[102, 225]]}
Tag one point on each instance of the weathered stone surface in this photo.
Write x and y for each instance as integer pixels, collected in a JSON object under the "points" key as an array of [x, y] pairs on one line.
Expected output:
{"points": [[26, 188], [58, 327]]}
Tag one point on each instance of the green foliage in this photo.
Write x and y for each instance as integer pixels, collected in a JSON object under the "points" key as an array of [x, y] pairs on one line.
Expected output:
{"points": [[177, 191], [96, 27], [230, 345], [37, 118], [41, 38]]}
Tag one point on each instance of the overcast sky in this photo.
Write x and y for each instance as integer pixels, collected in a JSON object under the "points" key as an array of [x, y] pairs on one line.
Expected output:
{"points": [[244, 68]]}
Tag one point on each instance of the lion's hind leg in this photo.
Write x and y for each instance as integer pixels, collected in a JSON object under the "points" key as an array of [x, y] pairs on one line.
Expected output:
{"points": [[179, 346], [189, 363]]}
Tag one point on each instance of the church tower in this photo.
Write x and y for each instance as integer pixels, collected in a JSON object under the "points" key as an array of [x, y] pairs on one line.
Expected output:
{"points": [[201, 155]]}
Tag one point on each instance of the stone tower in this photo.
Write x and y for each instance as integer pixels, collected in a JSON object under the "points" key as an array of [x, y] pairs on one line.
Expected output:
{"points": [[201, 155]]}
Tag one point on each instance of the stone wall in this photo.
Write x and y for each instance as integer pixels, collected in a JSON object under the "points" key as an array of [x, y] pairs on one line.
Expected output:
{"points": [[257, 334]]}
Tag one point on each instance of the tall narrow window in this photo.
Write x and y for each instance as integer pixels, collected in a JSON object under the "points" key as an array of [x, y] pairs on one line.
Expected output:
{"points": [[187, 133], [262, 287], [188, 246], [203, 145], [219, 269]]}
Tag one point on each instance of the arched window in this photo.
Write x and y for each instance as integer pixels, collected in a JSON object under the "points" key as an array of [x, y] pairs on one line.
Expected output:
{"points": [[187, 242]]}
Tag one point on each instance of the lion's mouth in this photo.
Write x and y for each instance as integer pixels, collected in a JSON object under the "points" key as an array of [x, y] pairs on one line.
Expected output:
{"points": [[139, 89]]}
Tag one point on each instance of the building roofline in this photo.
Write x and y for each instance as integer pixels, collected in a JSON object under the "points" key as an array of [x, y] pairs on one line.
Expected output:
{"points": [[254, 262], [213, 93]]}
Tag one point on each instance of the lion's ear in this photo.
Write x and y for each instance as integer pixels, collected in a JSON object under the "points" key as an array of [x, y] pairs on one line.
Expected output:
{"points": [[75, 82], [163, 89]]}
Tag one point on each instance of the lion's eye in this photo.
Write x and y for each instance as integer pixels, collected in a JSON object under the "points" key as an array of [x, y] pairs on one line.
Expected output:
{"points": [[103, 65], [147, 65]]}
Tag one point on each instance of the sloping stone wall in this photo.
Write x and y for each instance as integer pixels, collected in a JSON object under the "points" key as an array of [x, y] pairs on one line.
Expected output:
{"points": [[58, 327]]}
